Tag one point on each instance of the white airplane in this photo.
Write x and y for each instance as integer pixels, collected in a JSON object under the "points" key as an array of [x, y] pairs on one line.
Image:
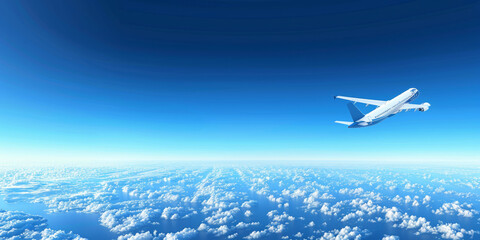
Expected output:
{"points": [[384, 110]]}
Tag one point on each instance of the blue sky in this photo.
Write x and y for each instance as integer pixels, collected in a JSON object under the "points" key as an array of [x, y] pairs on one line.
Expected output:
{"points": [[214, 80]]}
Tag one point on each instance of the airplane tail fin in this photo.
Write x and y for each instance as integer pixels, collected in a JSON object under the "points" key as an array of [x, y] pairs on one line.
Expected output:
{"points": [[356, 114], [344, 123]]}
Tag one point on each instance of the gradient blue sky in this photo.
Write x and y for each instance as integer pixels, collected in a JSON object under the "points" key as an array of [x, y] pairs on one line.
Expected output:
{"points": [[233, 80]]}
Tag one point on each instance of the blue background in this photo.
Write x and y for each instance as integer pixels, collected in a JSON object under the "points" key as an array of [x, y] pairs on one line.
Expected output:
{"points": [[213, 80]]}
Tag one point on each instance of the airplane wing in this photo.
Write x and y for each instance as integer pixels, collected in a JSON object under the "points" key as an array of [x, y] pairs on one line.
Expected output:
{"points": [[344, 122], [362, 100], [421, 107]]}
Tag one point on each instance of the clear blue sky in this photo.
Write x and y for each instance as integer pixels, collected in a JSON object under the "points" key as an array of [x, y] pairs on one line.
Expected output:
{"points": [[197, 80]]}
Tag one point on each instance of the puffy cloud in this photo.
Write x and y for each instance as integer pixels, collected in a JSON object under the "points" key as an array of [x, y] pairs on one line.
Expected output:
{"points": [[298, 193], [137, 236], [122, 220], [344, 234], [327, 210], [17, 225], [170, 212], [248, 204], [397, 199], [426, 199], [390, 237], [256, 234], [352, 215], [446, 231], [221, 217], [132, 201], [245, 225], [414, 222], [278, 228], [356, 191], [453, 231], [203, 227], [392, 214], [455, 208], [186, 233], [222, 230], [232, 236], [280, 217]]}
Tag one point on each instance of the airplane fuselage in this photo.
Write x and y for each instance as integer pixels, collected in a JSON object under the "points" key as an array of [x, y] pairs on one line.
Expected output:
{"points": [[386, 110]]}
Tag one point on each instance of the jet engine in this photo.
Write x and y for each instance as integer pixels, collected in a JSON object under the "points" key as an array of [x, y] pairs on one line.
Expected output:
{"points": [[425, 107]]}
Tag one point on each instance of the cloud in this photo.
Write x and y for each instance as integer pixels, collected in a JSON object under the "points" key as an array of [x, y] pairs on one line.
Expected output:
{"points": [[248, 204], [171, 212], [426, 199], [256, 234], [455, 208], [17, 225], [356, 191], [137, 236], [241, 225], [327, 210], [232, 202], [123, 220], [453, 231], [414, 222], [186, 233], [221, 217], [392, 214], [345, 233], [352, 215], [390, 237], [232, 236]]}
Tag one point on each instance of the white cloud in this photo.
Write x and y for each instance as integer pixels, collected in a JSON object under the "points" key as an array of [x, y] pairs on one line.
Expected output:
{"points": [[131, 201], [453, 231], [327, 210], [345, 233], [17, 225], [122, 220], [426, 199], [455, 208], [245, 225], [392, 214], [186, 233], [232, 236], [221, 217], [256, 234], [138, 236], [390, 237], [203, 227], [170, 212], [413, 222]]}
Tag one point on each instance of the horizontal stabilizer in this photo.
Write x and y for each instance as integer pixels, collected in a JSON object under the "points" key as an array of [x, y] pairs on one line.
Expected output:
{"points": [[345, 123]]}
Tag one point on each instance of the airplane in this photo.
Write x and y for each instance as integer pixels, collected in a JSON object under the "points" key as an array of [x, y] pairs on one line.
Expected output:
{"points": [[384, 110]]}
